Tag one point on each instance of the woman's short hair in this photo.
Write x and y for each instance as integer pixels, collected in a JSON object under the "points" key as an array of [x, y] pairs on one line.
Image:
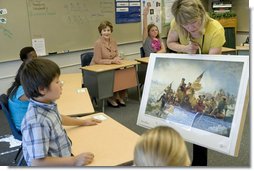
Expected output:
{"points": [[24, 52], [104, 24], [38, 73], [161, 146]]}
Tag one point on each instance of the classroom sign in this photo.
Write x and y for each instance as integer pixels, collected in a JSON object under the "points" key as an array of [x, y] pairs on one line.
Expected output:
{"points": [[127, 11]]}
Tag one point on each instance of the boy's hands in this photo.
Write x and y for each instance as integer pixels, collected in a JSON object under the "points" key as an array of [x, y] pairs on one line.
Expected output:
{"points": [[83, 159], [91, 121]]}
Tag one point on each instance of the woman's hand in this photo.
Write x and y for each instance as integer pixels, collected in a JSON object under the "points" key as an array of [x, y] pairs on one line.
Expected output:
{"points": [[146, 10], [191, 48], [116, 60]]}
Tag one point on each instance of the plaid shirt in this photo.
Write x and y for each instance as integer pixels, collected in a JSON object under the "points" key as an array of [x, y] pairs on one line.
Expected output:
{"points": [[42, 133]]}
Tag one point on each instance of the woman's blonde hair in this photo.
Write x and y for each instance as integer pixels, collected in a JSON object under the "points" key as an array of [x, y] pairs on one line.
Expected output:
{"points": [[189, 11], [161, 146]]}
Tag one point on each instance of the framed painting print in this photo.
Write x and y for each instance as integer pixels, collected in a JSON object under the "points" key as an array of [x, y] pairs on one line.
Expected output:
{"points": [[204, 97]]}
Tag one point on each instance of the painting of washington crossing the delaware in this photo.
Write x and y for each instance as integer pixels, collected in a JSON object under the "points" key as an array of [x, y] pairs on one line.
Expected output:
{"points": [[195, 93]]}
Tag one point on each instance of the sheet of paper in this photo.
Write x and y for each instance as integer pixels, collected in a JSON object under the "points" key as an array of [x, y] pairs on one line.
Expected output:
{"points": [[39, 46], [100, 117]]}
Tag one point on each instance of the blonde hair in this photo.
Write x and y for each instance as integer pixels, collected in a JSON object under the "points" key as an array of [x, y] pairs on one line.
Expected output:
{"points": [[161, 146], [189, 11]]}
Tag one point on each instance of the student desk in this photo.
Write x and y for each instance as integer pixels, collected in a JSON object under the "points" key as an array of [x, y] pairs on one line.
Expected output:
{"points": [[242, 50], [228, 51], [111, 143], [142, 69], [103, 80], [74, 100]]}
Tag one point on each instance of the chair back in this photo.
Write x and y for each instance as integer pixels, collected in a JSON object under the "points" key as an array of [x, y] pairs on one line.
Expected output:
{"points": [[86, 58], [142, 52], [4, 107]]}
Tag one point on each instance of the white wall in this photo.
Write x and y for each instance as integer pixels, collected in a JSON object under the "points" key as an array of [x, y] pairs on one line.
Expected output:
{"points": [[69, 63]]}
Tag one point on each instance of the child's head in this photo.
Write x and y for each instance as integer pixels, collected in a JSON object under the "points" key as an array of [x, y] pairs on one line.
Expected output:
{"points": [[27, 53], [40, 77], [161, 146], [153, 31]]}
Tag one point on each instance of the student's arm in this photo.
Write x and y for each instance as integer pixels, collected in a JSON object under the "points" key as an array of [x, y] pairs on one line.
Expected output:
{"points": [[69, 121], [79, 160], [145, 13], [163, 48]]}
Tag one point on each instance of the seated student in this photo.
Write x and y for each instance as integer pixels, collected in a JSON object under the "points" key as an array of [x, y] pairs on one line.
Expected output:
{"points": [[161, 146], [105, 52], [27, 53], [151, 37], [44, 140], [17, 101]]}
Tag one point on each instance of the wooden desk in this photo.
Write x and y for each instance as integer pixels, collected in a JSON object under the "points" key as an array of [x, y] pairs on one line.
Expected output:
{"points": [[142, 69], [243, 50], [103, 80], [228, 51], [74, 100], [112, 143]]}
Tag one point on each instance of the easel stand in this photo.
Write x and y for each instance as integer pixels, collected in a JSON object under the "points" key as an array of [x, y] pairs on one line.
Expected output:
{"points": [[199, 156]]}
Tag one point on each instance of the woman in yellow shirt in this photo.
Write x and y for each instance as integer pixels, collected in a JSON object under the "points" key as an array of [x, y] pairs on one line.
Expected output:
{"points": [[193, 31]]}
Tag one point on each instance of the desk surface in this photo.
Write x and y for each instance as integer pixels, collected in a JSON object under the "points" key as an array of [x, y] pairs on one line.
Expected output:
{"points": [[226, 49], [143, 60], [243, 48], [112, 143], [74, 99], [102, 68]]}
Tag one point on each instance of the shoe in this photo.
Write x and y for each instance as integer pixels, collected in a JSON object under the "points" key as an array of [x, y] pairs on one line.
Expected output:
{"points": [[121, 102], [112, 104]]}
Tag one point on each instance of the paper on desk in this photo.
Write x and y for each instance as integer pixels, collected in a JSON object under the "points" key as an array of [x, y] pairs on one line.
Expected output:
{"points": [[81, 90], [100, 117]]}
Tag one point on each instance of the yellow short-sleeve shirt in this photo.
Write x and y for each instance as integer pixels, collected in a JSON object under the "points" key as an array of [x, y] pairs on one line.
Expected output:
{"points": [[214, 36]]}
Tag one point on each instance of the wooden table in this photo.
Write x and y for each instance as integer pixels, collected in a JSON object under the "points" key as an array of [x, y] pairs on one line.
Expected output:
{"points": [[228, 51], [103, 80], [142, 69], [243, 50], [112, 143], [75, 100]]}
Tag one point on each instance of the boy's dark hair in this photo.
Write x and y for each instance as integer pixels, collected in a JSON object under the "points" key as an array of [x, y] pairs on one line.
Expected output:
{"points": [[38, 73], [23, 52]]}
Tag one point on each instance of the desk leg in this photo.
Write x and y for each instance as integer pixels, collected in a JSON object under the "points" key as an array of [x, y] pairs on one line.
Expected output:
{"points": [[103, 105]]}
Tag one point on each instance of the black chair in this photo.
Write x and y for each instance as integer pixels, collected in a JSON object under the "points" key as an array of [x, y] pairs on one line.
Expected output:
{"points": [[142, 52], [86, 59], [15, 132]]}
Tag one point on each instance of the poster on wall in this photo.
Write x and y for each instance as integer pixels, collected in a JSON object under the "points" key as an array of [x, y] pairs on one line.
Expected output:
{"points": [[167, 10], [154, 15], [127, 11], [201, 96]]}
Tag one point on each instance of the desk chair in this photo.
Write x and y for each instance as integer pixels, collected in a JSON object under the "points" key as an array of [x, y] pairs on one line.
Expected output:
{"points": [[142, 52], [15, 132], [86, 59]]}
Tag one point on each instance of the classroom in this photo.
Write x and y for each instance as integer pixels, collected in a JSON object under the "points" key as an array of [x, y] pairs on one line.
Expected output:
{"points": [[64, 30]]}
